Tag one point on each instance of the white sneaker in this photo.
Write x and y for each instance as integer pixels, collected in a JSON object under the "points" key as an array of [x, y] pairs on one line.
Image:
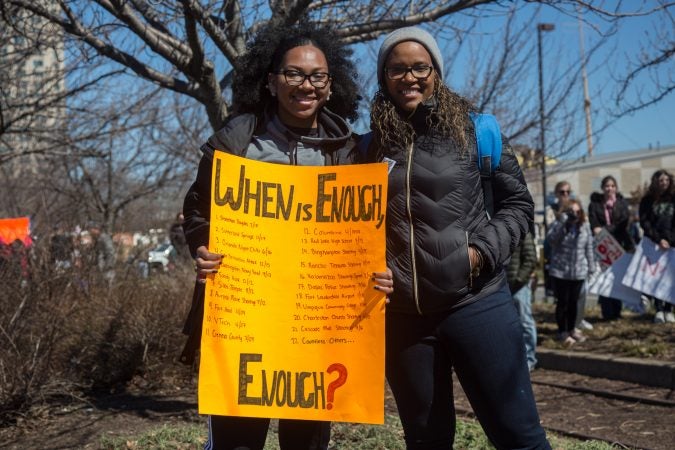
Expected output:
{"points": [[584, 325], [577, 335], [670, 318], [660, 317]]}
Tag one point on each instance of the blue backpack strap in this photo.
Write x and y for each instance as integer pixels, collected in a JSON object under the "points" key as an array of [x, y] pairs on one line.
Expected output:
{"points": [[489, 147], [489, 142]]}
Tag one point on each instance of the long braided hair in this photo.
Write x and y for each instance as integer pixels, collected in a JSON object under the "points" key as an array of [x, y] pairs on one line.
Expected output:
{"points": [[448, 119]]}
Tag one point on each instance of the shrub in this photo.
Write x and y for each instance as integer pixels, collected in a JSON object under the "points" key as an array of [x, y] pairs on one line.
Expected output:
{"points": [[72, 330]]}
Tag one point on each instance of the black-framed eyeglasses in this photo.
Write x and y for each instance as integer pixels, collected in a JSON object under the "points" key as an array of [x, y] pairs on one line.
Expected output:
{"points": [[421, 72], [296, 78], [563, 192]]}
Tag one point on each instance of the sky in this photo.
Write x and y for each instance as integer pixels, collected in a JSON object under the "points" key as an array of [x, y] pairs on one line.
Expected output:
{"points": [[652, 126]]}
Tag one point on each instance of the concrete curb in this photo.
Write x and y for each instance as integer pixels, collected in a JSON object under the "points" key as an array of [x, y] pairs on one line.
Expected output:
{"points": [[633, 370]]}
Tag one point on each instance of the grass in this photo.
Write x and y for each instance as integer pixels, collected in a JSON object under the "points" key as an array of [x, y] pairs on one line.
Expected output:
{"points": [[344, 436]]}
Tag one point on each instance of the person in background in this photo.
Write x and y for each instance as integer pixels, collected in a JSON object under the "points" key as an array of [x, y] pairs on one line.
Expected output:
{"points": [[634, 227], [451, 309], [177, 238], [609, 210], [283, 88], [61, 249], [563, 193], [519, 273], [572, 262], [657, 219], [102, 252]]}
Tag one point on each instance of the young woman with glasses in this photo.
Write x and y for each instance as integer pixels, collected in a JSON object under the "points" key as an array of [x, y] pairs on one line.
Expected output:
{"points": [[292, 91], [451, 309]]}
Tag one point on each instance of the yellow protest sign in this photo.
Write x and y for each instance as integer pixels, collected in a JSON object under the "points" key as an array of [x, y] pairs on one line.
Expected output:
{"points": [[293, 327]]}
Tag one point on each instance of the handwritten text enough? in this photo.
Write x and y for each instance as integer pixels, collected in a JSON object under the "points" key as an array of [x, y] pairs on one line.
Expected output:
{"points": [[281, 388]]}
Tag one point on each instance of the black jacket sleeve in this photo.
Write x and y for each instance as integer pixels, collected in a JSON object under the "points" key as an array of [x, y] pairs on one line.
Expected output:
{"points": [[514, 213], [197, 207]]}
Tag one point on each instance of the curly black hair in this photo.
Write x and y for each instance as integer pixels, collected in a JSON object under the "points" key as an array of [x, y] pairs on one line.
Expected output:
{"points": [[450, 118], [264, 54], [654, 190]]}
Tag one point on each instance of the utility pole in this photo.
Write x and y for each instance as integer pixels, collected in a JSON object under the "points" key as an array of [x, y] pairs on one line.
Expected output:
{"points": [[542, 140], [584, 77]]}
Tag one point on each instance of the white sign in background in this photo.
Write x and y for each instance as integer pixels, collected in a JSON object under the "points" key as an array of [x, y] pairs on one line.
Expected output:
{"points": [[608, 282], [652, 271]]}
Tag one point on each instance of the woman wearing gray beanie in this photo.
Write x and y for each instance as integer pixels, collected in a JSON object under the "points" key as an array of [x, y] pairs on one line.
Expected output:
{"points": [[451, 308]]}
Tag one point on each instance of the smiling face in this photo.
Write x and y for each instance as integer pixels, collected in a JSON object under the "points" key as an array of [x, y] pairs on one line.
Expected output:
{"points": [[408, 92], [299, 106], [609, 188]]}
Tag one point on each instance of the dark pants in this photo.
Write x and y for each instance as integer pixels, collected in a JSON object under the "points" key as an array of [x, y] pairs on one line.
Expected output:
{"points": [[567, 294], [610, 307], [483, 342], [247, 433], [662, 306]]}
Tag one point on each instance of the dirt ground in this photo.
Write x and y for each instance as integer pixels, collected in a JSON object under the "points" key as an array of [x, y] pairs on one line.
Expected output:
{"points": [[79, 424]]}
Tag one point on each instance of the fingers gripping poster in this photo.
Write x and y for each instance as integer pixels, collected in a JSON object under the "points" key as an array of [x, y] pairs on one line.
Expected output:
{"points": [[293, 327]]}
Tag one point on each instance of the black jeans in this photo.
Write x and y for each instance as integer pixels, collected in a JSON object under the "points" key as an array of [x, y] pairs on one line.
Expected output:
{"points": [[610, 308], [567, 294], [662, 306], [483, 343], [248, 433]]}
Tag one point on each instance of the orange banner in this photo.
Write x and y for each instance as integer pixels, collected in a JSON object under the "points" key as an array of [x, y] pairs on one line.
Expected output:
{"points": [[293, 327], [15, 228]]}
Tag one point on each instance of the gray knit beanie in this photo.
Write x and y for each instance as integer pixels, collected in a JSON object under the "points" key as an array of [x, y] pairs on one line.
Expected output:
{"points": [[409, 34]]}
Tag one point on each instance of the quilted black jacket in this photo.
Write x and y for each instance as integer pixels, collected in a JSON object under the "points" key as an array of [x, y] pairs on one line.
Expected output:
{"points": [[436, 210]]}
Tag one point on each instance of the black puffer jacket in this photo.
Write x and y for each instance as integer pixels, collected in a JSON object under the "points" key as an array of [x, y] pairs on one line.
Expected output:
{"points": [[436, 210], [620, 219]]}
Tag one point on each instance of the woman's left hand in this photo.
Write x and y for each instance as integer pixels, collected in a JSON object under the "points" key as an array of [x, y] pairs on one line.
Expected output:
{"points": [[384, 282]]}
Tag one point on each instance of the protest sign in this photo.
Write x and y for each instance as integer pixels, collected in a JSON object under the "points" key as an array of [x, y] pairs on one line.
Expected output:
{"points": [[608, 282], [613, 262], [293, 327], [652, 271], [15, 228], [607, 248]]}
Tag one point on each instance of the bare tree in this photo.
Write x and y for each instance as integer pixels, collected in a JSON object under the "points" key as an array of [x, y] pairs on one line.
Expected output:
{"points": [[190, 48], [644, 78]]}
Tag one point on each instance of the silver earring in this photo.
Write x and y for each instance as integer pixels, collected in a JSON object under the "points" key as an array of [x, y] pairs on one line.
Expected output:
{"points": [[329, 93]]}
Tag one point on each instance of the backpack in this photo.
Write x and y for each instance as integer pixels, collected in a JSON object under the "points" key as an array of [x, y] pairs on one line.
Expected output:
{"points": [[488, 145]]}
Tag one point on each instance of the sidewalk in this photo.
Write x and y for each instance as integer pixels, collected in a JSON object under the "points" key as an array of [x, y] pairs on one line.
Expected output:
{"points": [[632, 370]]}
